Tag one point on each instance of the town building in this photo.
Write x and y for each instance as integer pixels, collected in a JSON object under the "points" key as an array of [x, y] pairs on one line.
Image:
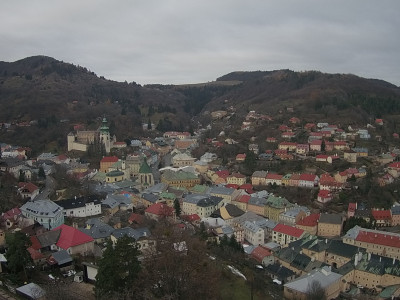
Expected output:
{"points": [[81, 206], [45, 212]]}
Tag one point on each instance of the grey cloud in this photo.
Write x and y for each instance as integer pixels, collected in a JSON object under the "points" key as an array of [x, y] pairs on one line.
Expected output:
{"points": [[192, 41]]}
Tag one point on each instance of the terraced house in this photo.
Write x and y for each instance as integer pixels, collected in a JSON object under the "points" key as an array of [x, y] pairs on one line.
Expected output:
{"points": [[180, 179]]}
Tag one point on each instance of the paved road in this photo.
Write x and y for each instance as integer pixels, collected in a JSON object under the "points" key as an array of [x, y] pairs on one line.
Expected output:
{"points": [[48, 190]]}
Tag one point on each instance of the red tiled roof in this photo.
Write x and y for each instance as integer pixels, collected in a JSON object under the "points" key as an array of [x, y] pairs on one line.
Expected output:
{"points": [[316, 134], [274, 176], [223, 174], [280, 151], [70, 237], [308, 177], [324, 194], [159, 209], [246, 186], [11, 213], [27, 185], [259, 253], [35, 244], [244, 198], [136, 218], [326, 178], [322, 156], [232, 186], [237, 175], [191, 218], [35, 254], [241, 156], [287, 144], [381, 214], [109, 159], [311, 220], [352, 207], [378, 239], [62, 157], [289, 230], [395, 165]]}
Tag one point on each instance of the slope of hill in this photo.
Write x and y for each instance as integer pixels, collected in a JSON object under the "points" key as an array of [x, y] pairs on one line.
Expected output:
{"points": [[45, 91]]}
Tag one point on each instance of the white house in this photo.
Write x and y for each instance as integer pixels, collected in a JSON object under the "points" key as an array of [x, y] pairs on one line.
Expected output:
{"points": [[81, 207]]}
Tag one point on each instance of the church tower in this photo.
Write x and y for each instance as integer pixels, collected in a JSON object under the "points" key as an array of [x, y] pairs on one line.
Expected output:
{"points": [[105, 135], [146, 178]]}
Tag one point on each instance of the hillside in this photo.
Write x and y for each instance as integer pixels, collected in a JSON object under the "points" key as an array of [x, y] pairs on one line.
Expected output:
{"points": [[52, 96]]}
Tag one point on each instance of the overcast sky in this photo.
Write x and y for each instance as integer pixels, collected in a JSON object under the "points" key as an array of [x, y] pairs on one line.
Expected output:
{"points": [[167, 41]]}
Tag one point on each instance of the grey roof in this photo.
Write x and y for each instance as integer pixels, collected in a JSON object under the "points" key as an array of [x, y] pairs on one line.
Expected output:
{"points": [[210, 201], [266, 223], [194, 198], [232, 210], [222, 190], [110, 202], [247, 216], [261, 194], [249, 249], [330, 219], [48, 238], [395, 210], [150, 197], [228, 230], [156, 189], [252, 226], [324, 276], [353, 232], [98, 230], [342, 249], [62, 257], [295, 210], [257, 201], [32, 290], [261, 174], [44, 208], [133, 233], [279, 271]]}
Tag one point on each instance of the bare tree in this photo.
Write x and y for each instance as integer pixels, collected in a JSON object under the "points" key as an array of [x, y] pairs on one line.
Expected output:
{"points": [[179, 268], [315, 291]]}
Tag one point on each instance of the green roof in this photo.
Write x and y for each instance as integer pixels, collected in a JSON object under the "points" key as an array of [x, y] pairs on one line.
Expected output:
{"points": [[389, 291], [166, 195], [115, 173], [179, 175], [200, 189], [144, 168]]}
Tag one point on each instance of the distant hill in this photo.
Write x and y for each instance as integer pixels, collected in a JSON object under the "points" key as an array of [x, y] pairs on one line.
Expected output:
{"points": [[54, 95]]}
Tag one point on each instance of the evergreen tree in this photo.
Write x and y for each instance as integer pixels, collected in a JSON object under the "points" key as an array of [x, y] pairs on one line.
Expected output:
{"points": [[118, 269], [250, 161], [41, 173], [18, 257], [177, 207], [21, 176]]}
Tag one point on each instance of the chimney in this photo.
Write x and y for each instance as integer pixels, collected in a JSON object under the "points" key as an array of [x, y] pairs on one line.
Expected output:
{"points": [[380, 258], [369, 256], [394, 260], [356, 259], [75, 225], [326, 241]]}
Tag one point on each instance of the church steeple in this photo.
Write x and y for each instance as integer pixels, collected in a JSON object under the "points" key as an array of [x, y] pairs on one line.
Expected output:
{"points": [[105, 135]]}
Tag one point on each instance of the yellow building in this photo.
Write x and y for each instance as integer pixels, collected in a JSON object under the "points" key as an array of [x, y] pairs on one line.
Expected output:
{"points": [[330, 225], [180, 179]]}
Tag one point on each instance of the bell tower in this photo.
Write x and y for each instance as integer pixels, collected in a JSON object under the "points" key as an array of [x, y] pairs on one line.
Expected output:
{"points": [[105, 135]]}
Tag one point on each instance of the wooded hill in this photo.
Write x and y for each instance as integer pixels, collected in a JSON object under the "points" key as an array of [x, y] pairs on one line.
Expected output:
{"points": [[55, 95]]}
